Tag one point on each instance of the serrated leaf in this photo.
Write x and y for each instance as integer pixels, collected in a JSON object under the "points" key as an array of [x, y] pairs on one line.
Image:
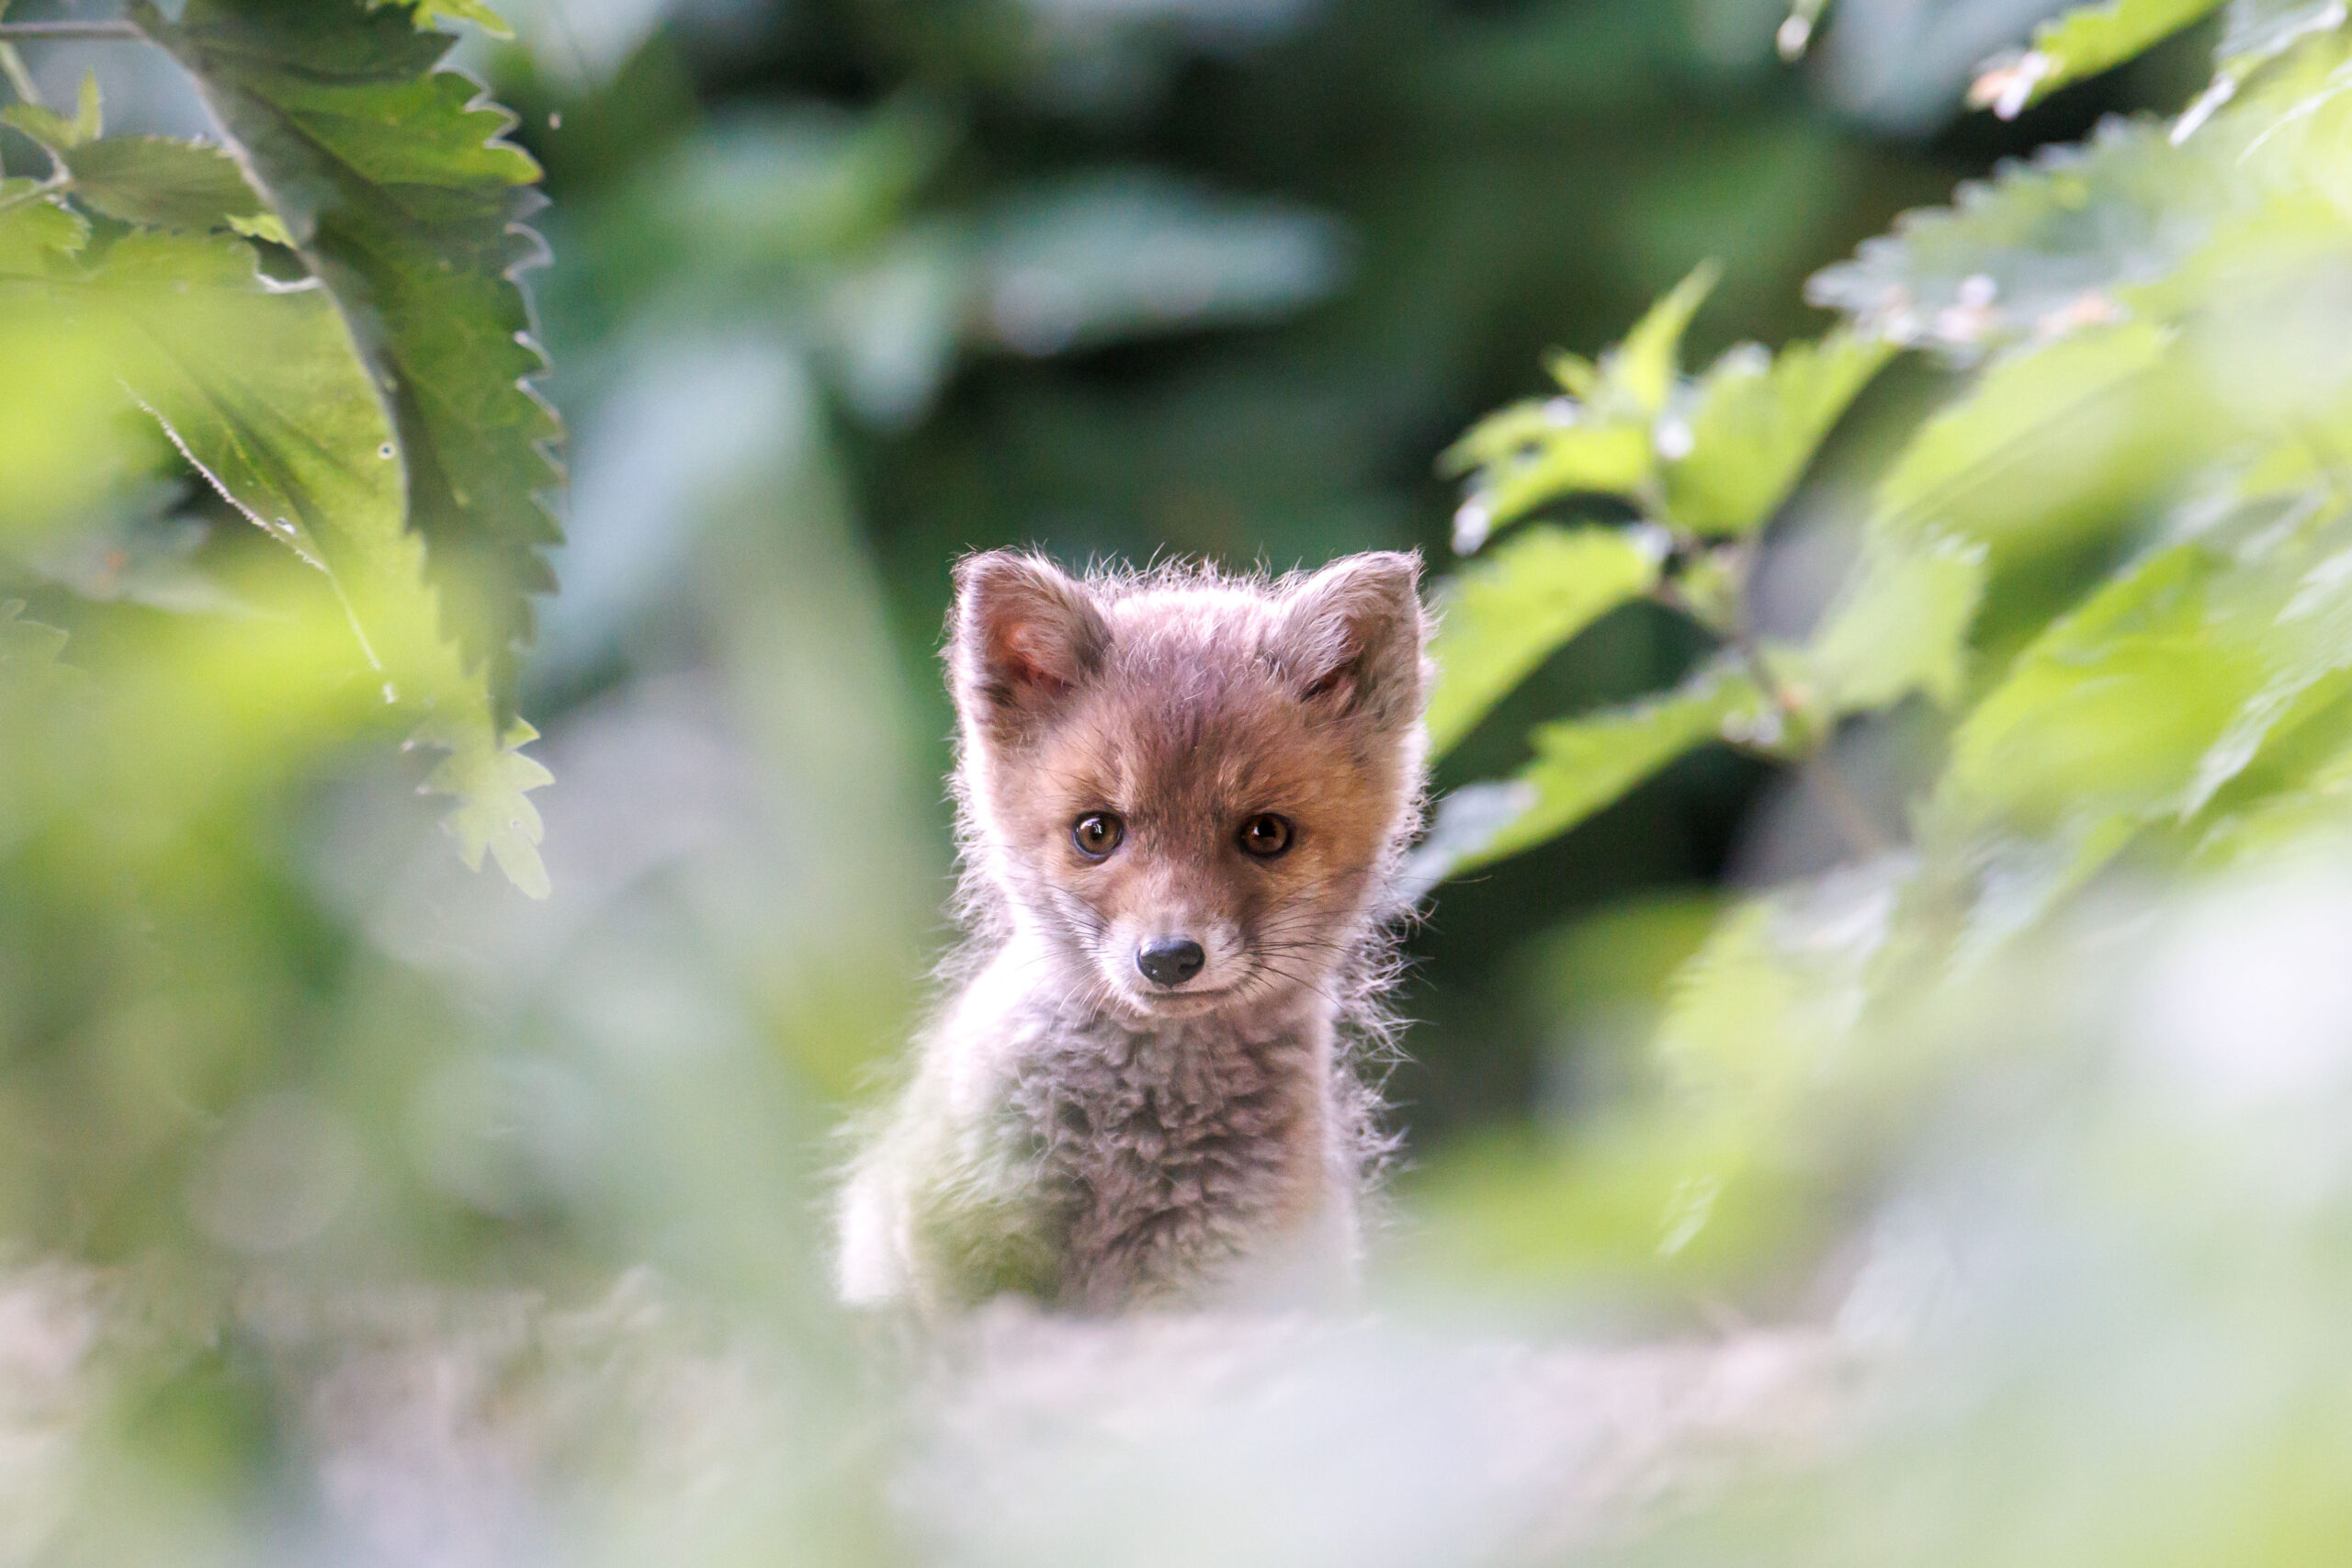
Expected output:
{"points": [[2081, 44], [491, 781], [1587, 460], [55, 131], [163, 183], [262, 389], [1501, 618], [393, 182], [1599, 441], [2110, 710], [1584, 764], [1899, 625], [38, 237], [1641, 368], [2041, 250], [2050, 444], [1752, 425]]}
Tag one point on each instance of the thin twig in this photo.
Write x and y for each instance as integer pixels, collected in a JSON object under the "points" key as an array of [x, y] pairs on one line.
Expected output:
{"points": [[73, 32]]}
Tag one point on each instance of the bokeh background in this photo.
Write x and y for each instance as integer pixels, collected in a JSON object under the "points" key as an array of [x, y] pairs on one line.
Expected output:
{"points": [[350, 1190]]}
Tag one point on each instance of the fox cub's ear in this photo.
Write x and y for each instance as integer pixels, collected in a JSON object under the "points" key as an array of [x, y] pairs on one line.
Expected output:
{"points": [[1023, 638], [1355, 634]]}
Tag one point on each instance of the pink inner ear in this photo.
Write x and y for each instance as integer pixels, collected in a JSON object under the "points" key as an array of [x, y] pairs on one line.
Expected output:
{"points": [[1338, 681], [1033, 656]]}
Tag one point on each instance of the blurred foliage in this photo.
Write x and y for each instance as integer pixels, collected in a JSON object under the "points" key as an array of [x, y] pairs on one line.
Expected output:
{"points": [[1902, 768]]}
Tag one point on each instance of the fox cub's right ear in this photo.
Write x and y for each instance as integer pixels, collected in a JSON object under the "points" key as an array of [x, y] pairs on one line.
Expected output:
{"points": [[1023, 638]]}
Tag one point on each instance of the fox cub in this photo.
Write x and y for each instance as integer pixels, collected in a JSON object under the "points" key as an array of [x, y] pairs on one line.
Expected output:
{"points": [[1184, 797]]}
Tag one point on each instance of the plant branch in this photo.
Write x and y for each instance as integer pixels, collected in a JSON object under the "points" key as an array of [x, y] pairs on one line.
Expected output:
{"points": [[72, 32]]}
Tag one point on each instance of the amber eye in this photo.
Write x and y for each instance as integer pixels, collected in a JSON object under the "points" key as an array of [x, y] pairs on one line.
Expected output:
{"points": [[1097, 834], [1265, 835]]}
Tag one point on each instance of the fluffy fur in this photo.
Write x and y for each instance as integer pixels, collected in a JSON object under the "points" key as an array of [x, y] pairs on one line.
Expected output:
{"points": [[1076, 1130]]}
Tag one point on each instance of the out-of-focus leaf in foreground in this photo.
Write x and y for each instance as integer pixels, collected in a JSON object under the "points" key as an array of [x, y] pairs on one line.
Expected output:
{"points": [[392, 179]]}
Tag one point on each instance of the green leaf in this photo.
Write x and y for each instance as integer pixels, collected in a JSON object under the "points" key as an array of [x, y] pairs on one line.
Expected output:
{"points": [[491, 781], [26, 645], [2051, 446], [1754, 423], [1597, 441], [162, 184], [2081, 44], [2110, 709], [1900, 626], [1501, 619], [53, 129], [1642, 369], [262, 389], [2043, 248], [392, 181], [429, 13], [1584, 764]]}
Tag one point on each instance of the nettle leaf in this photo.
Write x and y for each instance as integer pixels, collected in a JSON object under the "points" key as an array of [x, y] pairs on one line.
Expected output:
{"points": [[1640, 371], [1753, 424], [2080, 43], [55, 131], [2110, 709], [2050, 444], [492, 784], [1599, 439], [2041, 249], [1584, 764], [1899, 625], [262, 389], [163, 183], [1501, 619], [2254, 34], [392, 181]]}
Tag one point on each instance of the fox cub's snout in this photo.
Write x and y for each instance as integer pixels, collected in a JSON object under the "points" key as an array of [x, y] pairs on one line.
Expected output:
{"points": [[1191, 789]]}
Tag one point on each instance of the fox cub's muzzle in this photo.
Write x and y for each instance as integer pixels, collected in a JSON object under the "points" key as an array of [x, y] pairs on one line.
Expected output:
{"points": [[1169, 961]]}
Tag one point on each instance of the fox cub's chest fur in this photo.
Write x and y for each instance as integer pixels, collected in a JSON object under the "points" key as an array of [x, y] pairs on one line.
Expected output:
{"points": [[1184, 799]]}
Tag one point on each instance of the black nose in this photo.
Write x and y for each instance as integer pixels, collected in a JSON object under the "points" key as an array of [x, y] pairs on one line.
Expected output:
{"points": [[1170, 960]]}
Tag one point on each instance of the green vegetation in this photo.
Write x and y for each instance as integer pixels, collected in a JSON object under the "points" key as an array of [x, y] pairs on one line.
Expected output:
{"points": [[1889, 877]]}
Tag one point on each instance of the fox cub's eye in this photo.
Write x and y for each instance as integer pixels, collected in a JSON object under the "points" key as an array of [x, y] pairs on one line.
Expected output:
{"points": [[1266, 835], [1097, 834]]}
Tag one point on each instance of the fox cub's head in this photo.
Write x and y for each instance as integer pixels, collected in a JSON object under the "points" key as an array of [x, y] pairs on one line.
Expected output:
{"points": [[1193, 787]]}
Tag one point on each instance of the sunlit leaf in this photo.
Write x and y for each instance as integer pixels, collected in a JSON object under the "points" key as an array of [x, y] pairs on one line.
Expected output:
{"points": [[2050, 444], [1900, 626], [164, 184], [261, 388], [2081, 44], [431, 12], [1641, 370], [1601, 441], [1502, 617], [491, 781], [392, 178], [58, 132], [2113, 708], [1584, 764], [1753, 424], [2042, 249]]}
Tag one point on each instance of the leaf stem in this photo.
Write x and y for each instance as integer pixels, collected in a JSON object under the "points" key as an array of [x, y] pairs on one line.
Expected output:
{"points": [[20, 80], [72, 32]]}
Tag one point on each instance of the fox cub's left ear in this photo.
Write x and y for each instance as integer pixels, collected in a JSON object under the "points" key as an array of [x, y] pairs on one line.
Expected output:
{"points": [[1355, 634]]}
